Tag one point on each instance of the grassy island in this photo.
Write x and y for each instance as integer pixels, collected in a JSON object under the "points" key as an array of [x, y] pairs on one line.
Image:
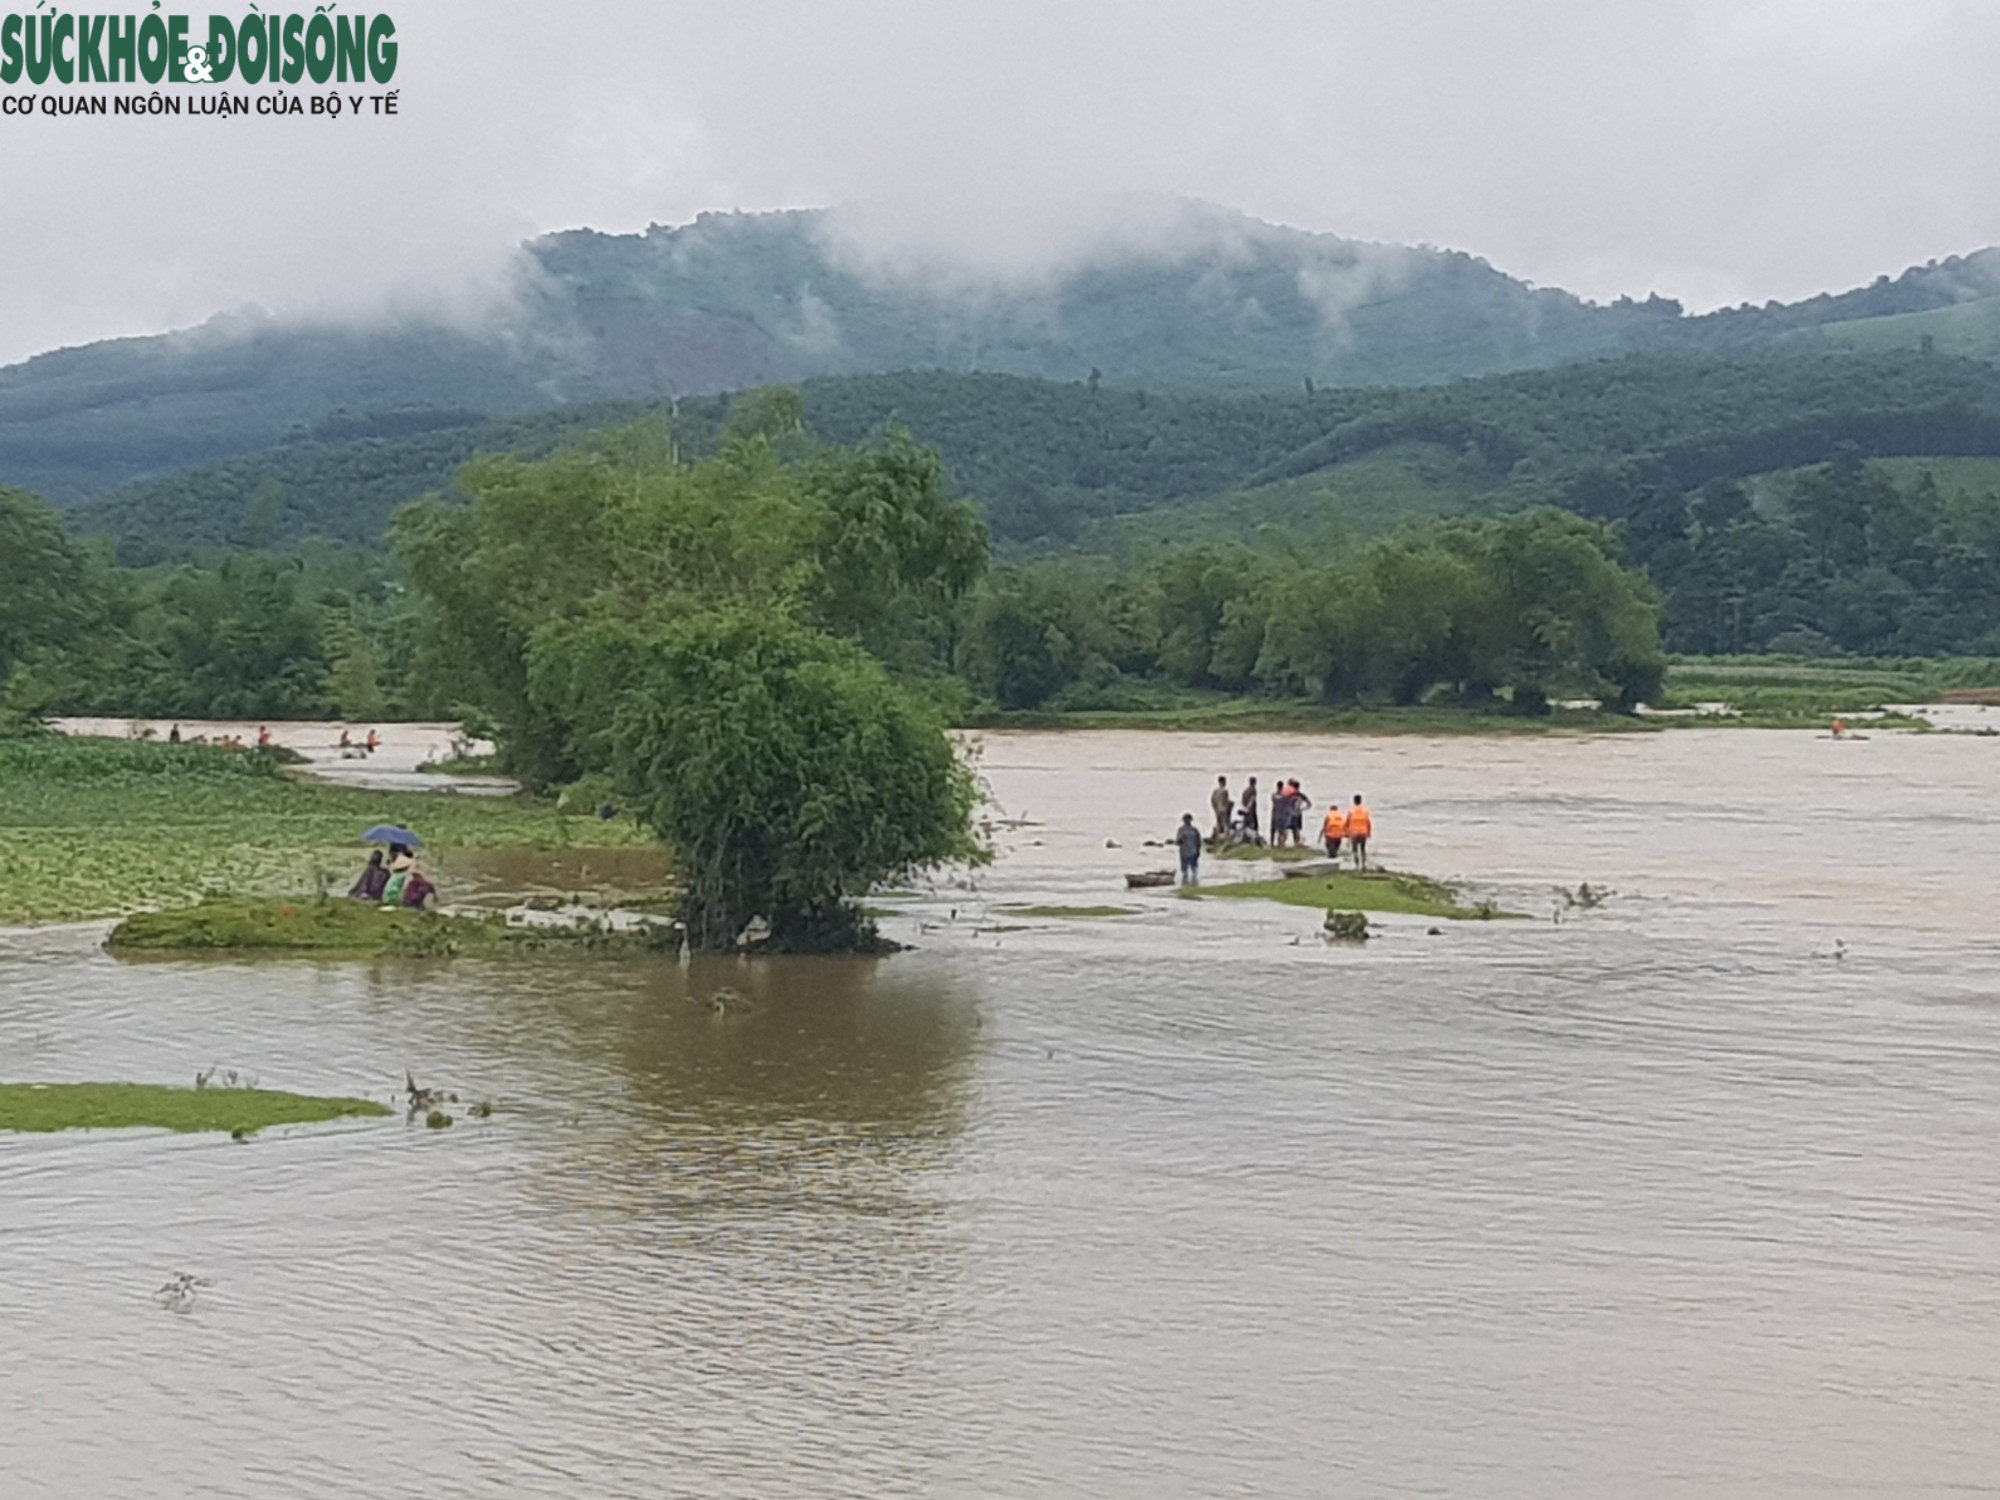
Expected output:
{"points": [[1362, 890], [119, 1106], [334, 927]]}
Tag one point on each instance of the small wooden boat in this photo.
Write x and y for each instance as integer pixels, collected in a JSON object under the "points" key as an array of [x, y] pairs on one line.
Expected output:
{"points": [[1311, 867], [1148, 878]]}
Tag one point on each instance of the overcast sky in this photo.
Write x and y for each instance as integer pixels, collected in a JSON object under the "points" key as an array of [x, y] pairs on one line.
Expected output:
{"points": [[1714, 150]]}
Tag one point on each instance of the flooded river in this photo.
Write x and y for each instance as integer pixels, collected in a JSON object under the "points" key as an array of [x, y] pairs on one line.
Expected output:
{"points": [[1691, 1195]]}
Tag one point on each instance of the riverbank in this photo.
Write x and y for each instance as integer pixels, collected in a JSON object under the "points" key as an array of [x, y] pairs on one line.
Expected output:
{"points": [[99, 827], [1740, 692]]}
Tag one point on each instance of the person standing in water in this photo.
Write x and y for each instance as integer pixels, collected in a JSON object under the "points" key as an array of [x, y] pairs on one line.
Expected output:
{"points": [[1222, 804], [1188, 837], [1300, 802], [1332, 829], [1249, 810], [1359, 826]]}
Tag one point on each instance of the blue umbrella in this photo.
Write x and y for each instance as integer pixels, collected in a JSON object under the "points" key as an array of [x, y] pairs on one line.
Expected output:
{"points": [[389, 833]]}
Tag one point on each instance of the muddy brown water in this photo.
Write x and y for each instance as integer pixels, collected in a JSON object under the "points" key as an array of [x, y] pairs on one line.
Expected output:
{"points": [[1666, 1199]]}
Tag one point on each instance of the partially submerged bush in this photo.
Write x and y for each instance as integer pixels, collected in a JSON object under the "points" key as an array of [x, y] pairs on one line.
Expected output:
{"points": [[1347, 926]]}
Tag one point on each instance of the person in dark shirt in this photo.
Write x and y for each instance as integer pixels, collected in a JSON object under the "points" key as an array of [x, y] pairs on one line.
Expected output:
{"points": [[1281, 814], [374, 879], [1188, 837]]}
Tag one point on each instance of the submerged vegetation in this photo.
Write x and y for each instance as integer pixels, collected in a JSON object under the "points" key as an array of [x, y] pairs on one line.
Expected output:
{"points": [[93, 828], [120, 1106], [333, 927]]}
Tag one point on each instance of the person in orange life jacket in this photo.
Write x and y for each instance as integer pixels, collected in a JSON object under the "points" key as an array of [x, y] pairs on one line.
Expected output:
{"points": [[1359, 826], [1333, 828]]}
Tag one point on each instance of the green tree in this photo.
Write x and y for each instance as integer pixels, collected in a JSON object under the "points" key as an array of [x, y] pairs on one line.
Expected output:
{"points": [[43, 580], [789, 776]]}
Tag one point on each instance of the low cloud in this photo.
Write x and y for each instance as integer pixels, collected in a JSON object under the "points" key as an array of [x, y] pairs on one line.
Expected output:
{"points": [[1711, 150]]}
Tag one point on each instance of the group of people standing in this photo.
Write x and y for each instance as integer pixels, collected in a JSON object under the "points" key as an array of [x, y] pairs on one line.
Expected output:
{"points": [[1236, 823]]}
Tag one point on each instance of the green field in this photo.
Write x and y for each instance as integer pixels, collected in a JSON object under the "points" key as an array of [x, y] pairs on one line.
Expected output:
{"points": [[122, 1106], [1969, 329], [1808, 691], [1359, 498], [92, 828]]}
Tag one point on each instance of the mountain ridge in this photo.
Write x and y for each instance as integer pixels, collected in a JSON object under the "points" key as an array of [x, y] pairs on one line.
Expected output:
{"points": [[1218, 302]]}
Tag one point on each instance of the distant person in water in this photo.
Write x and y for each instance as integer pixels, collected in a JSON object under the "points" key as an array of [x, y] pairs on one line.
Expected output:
{"points": [[263, 737], [174, 735], [373, 741], [1359, 826], [1188, 837], [1222, 804], [374, 879], [1332, 829], [1248, 808]]}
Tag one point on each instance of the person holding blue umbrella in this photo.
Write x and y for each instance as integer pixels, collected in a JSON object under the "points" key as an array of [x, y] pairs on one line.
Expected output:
{"points": [[376, 878]]}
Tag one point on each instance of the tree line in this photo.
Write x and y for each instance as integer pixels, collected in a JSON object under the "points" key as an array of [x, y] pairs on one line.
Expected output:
{"points": [[759, 652]]}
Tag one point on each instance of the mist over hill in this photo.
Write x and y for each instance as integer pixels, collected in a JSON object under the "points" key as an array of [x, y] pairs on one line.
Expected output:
{"points": [[1202, 301]]}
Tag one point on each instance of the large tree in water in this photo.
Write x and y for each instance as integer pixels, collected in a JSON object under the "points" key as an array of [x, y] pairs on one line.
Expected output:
{"points": [[789, 775]]}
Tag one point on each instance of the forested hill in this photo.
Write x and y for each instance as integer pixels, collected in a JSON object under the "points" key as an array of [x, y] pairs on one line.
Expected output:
{"points": [[1046, 459], [1223, 304]]}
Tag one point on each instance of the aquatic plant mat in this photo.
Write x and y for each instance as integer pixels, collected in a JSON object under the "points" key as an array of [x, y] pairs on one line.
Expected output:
{"points": [[120, 1106], [92, 828], [1355, 890], [334, 927]]}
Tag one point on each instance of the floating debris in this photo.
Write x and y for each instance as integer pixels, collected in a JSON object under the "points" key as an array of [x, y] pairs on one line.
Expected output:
{"points": [[1585, 897], [181, 1292], [422, 1100], [437, 1119], [726, 1002]]}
